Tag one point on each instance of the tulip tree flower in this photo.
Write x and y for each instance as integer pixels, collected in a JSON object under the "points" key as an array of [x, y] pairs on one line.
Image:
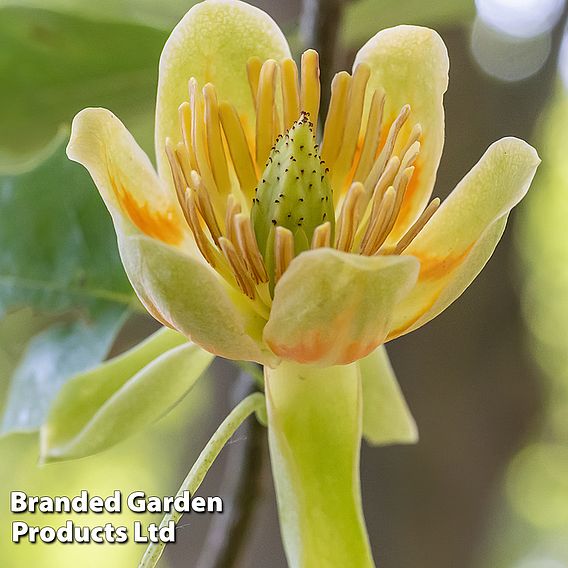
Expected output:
{"points": [[270, 233]]}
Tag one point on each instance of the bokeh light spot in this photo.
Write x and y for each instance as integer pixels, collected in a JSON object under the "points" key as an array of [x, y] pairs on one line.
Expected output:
{"points": [[505, 57], [520, 18]]}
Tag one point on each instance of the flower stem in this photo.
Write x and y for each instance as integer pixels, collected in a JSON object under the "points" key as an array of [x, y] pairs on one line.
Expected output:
{"points": [[191, 483], [314, 427], [227, 533]]}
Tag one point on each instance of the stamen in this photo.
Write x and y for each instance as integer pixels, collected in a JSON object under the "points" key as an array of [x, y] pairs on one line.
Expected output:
{"points": [[238, 148], [238, 267], [198, 138], [233, 208], [412, 233], [195, 225], [277, 123], [400, 184], [349, 218], [265, 105], [371, 204], [372, 137], [335, 120], [409, 157], [183, 160], [205, 206], [185, 120], [179, 182], [344, 161], [215, 146], [249, 248], [406, 166], [387, 177], [414, 136], [377, 230], [377, 180], [254, 65], [322, 236], [386, 152], [310, 88], [372, 209], [283, 251], [290, 94]]}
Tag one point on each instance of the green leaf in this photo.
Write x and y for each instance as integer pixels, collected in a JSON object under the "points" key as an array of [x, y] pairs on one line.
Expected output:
{"points": [[58, 257], [58, 248], [99, 408], [51, 358], [386, 417], [314, 427], [16, 329], [163, 14], [52, 65]]}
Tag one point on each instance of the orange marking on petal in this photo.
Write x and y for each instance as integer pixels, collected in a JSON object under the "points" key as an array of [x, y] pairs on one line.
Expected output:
{"points": [[435, 268], [313, 348], [318, 346], [431, 268], [163, 225], [312, 345], [309, 349], [357, 350], [401, 330]]}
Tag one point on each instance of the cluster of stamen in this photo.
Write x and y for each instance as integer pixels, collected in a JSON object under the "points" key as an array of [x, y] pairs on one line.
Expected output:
{"points": [[219, 162]]}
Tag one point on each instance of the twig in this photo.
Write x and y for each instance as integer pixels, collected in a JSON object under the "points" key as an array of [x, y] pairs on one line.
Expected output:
{"points": [[191, 483]]}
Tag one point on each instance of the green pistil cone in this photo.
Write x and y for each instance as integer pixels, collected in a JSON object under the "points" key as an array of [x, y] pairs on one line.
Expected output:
{"points": [[293, 192]]}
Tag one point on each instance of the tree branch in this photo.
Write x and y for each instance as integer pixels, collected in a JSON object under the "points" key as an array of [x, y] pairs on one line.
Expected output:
{"points": [[320, 26]]}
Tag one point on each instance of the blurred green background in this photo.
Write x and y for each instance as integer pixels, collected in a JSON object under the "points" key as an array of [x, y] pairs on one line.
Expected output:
{"points": [[487, 486]]}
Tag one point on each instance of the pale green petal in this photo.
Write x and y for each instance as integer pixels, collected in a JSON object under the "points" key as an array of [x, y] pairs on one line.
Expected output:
{"points": [[314, 428], [461, 236], [189, 296], [386, 416], [101, 407], [332, 307], [173, 283], [410, 64], [213, 43], [125, 178]]}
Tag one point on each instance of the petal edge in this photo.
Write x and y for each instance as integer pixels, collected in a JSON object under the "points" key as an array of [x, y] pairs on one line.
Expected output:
{"points": [[332, 308], [213, 43], [461, 236], [411, 64]]}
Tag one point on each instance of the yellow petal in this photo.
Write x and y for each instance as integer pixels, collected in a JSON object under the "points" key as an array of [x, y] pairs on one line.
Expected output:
{"points": [[213, 43], [333, 308], [176, 286], [410, 64], [187, 295], [125, 177], [461, 236], [386, 416]]}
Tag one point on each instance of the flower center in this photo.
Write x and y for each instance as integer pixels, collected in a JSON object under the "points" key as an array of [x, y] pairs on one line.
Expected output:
{"points": [[293, 198], [255, 199]]}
